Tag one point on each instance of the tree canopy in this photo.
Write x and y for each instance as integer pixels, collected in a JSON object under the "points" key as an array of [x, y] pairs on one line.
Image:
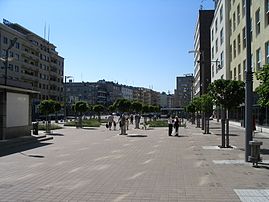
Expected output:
{"points": [[263, 89]]}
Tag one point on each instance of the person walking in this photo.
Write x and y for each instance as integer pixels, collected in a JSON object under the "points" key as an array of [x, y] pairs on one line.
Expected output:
{"points": [[122, 122], [176, 125], [170, 126], [110, 121]]}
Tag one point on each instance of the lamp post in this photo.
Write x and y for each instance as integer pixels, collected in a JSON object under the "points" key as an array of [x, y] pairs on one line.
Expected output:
{"points": [[202, 78], [248, 85], [12, 43], [65, 77]]}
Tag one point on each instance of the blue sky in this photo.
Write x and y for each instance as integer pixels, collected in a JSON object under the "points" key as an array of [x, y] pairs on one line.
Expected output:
{"points": [[141, 43]]}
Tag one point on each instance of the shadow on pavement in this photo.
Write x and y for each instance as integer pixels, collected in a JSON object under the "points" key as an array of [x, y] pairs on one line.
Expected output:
{"points": [[219, 134], [19, 149], [56, 134], [32, 155]]}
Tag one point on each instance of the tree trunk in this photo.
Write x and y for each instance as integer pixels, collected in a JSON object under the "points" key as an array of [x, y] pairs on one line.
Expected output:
{"points": [[206, 123], [203, 120], [56, 117], [198, 120], [222, 128], [227, 128]]}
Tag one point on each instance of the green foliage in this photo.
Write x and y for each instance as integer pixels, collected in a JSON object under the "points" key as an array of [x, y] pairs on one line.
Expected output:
{"points": [[228, 93], [137, 106], [197, 103], [46, 107], [123, 105], [57, 106], [52, 127], [263, 89], [206, 103], [98, 108], [190, 108], [85, 123], [146, 109], [81, 107]]}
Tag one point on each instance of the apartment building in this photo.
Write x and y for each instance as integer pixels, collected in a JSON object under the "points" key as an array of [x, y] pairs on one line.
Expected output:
{"points": [[259, 37], [33, 62], [146, 96], [202, 52], [183, 91], [220, 46]]}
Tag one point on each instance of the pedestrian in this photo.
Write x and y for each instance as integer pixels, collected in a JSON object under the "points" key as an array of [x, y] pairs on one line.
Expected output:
{"points": [[170, 126], [122, 122], [110, 121], [176, 125], [132, 119], [114, 124]]}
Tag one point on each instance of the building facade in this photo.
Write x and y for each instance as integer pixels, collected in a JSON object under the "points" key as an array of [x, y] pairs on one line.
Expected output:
{"points": [[202, 52], [183, 91], [33, 61], [220, 46]]}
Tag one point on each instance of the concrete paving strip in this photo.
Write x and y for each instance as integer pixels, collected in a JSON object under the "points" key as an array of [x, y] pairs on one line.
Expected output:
{"points": [[235, 162], [219, 148], [253, 195]]}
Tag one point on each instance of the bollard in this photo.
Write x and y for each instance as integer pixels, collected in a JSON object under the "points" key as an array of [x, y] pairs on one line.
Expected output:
{"points": [[35, 128], [255, 152]]}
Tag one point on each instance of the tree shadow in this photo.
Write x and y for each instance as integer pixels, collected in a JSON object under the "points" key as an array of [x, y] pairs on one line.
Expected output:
{"points": [[21, 148], [56, 134], [219, 134], [88, 128]]}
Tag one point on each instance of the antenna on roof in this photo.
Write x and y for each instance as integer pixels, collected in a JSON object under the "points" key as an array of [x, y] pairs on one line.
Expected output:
{"points": [[45, 31], [201, 5], [49, 34]]}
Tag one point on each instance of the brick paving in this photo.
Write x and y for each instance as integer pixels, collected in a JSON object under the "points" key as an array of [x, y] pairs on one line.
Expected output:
{"points": [[99, 165]]}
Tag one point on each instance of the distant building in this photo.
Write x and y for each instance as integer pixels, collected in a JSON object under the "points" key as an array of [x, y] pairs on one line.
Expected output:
{"points": [[183, 91], [202, 53], [146, 96]]}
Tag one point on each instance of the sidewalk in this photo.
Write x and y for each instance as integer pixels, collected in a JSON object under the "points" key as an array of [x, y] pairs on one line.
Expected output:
{"points": [[96, 164]]}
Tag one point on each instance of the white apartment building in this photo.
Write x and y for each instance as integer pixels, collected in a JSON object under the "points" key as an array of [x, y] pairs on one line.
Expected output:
{"points": [[259, 37], [220, 48]]}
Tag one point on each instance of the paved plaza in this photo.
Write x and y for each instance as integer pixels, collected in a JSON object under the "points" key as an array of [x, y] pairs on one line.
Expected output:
{"points": [[95, 164]]}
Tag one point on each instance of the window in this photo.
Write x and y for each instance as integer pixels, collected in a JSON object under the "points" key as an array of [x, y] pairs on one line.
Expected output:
{"points": [[221, 13], [266, 6], [5, 41], [10, 66], [244, 37], [267, 52], [17, 68], [221, 36], [212, 52], [238, 44], [217, 48], [17, 45], [239, 73], [17, 56], [234, 50], [212, 34], [221, 61], [258, 22], [235, 74], [258, 58], [234, 22], [212, 67], [238, 14], [251, 29], [216, 25], [244, 69], [243, 7]]}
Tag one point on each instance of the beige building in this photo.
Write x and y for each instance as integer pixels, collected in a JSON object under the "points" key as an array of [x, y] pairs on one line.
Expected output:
{"points": [[259, 36], [32, 61]]}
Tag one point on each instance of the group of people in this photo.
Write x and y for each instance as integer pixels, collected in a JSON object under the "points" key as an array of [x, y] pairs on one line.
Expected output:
{"points": [[173, 123], [123, 121]]}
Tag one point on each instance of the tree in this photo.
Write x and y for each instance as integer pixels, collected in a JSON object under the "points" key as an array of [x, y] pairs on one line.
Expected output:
{"points": [[81, 107], [197, 103], [98, 109], [137, 106], [123, 105], [206, 107], [57, 108], [228, 94], [263, 89], [190, 108], [46, 107]]}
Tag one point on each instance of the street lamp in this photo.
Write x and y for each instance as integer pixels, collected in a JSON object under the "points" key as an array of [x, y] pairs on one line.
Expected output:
{"points": [[248, 85], [12, 43], [65, 77]]}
